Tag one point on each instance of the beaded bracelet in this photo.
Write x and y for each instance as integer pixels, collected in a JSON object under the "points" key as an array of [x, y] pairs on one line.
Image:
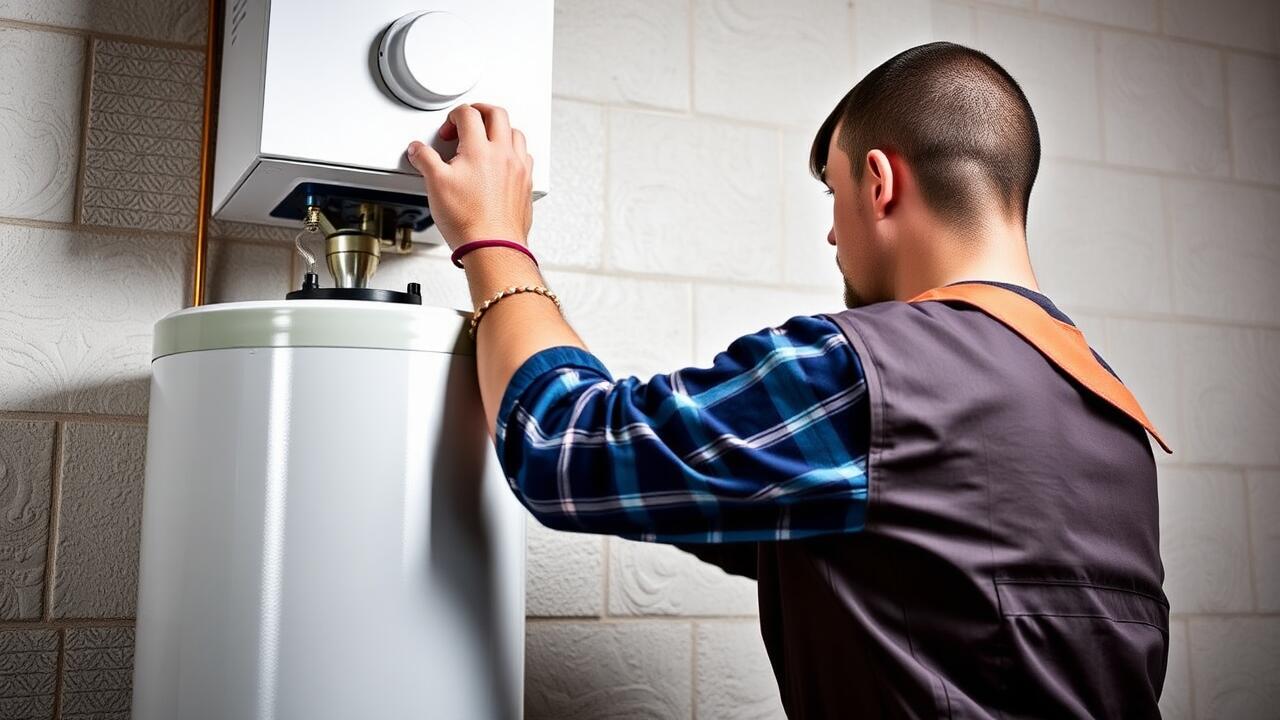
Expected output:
{"points": [[475, 319]]}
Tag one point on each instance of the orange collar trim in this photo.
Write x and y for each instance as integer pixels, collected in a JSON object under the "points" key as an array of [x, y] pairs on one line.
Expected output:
{"points": [[1063, 344]]}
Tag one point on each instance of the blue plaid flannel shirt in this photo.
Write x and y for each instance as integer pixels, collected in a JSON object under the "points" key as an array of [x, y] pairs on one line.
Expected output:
{"points": [[769, 443]]}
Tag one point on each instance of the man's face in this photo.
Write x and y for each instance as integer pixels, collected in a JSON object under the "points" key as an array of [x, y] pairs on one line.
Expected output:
{"points": [[859, 256]]}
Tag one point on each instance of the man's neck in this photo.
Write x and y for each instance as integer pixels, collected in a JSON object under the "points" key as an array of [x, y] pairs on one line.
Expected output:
{"points": [[999, 256]]}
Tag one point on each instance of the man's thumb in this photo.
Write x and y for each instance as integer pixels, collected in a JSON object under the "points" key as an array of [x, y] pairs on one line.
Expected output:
{"points": [[424, 158]]}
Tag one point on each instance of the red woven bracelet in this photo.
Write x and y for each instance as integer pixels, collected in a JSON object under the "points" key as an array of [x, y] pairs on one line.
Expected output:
{"points": [[465, 248]]}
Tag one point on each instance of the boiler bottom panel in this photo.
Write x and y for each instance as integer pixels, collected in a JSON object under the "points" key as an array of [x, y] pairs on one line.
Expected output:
{"points": [[326, 534]]}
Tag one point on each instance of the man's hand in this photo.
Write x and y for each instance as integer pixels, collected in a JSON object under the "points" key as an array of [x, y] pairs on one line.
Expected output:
{"points": [[486, 190]]}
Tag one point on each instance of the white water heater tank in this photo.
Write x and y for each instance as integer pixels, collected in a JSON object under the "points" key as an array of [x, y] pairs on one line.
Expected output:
{"points": [[326, 533]]}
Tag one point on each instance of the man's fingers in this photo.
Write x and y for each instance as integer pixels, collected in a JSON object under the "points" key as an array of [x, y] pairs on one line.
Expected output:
{"points": [[496, 122], [424, 158], [448, 131], [469, 124], [520, 145]]}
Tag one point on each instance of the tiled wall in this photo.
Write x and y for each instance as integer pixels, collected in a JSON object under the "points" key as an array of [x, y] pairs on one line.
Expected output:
{"points": [[680, 217]]}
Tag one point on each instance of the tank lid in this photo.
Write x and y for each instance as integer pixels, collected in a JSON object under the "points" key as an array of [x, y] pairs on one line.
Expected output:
{"points": [[313, 323]]}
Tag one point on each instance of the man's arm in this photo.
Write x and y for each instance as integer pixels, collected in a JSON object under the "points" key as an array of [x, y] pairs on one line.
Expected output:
{"points": [[485, 192]]}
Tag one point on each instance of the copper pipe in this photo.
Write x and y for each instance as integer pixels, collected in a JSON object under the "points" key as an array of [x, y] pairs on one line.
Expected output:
{"points": [[212, 59]]}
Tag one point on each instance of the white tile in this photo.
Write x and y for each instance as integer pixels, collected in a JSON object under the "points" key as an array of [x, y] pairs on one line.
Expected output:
{"points": [[173, 20], [99, 521], [1235, 666], [248, 271], [589, 670], [1145, 356], [783, 63], [1203, 540], [40, 92], [568, 224], [1230, 394], [1175, 700], [1132, 14], [809, 260], [1097, 238], [1242, 23], [1226, 250], [723, 313], [1253, 95], [26, 478], [76, 317], [1055, 64], [1163, 105], [637, 327], [564, 573], [1264, 523], [655, 579], [734, 678], [884, 28], [694, 197], [623, 52]]}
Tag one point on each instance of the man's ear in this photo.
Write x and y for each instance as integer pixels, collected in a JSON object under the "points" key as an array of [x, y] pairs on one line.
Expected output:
{"points": [[882, 181]]}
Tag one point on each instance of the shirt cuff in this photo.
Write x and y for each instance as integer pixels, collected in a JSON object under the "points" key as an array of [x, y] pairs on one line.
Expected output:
{"points": [[539, 364]]}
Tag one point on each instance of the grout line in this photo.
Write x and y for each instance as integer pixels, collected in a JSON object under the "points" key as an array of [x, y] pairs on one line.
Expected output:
{"points": [[66, 623], [693, 20], [606, 234], [57, 676], [55, 514], [85, 32], [1099, 80], [1191, 677], [1237, 615], [86, 101], [693, 668], [607, 546], [139, 233], [59, 416]]}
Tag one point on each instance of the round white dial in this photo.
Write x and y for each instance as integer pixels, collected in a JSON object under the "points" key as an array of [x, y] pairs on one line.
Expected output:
{"points": [[430, 59]]}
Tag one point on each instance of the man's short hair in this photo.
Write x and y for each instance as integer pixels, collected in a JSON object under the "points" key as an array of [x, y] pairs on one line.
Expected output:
{"points": [[961, 122]]}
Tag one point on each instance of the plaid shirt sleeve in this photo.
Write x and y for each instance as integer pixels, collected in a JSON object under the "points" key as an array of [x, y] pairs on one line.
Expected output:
{"points": [[769, 443]]}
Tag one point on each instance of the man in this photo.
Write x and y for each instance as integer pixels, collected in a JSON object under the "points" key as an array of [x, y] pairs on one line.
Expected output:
{"points": [[948, 500]]}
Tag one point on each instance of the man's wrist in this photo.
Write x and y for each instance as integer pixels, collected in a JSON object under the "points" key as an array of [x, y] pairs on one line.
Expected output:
{"points": [[490, 269]]}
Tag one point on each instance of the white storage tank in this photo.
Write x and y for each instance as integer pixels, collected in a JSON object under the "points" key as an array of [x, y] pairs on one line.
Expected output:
{"points": [[326, 532]]}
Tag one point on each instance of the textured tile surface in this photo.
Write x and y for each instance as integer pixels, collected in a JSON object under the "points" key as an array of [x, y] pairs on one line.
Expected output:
{"points": [[733, 675], [637, 327], [248, 271], [97, 675], [1253, 93], [623, 52], [693, 197], [181, 21], [1235, 665], [26, 478], [568, 224], [654, 579], [809, 261], [1230, 394], [40, 92], [778, 62], [1226, 250], [1134, 14], [1163, 105], [584, 671], [96, 574], [1242, 23], [563, 573], [1145, 355], [28, 667], [1055, 64], [443, 284], [723, 313], [1203, 540], [1264, 523], [76, 316], [143, 156], [1175, 701], [1097, 238]]}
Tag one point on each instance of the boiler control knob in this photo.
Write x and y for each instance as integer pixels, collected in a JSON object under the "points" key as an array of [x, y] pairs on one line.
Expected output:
{"points": [[429, 59]]}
